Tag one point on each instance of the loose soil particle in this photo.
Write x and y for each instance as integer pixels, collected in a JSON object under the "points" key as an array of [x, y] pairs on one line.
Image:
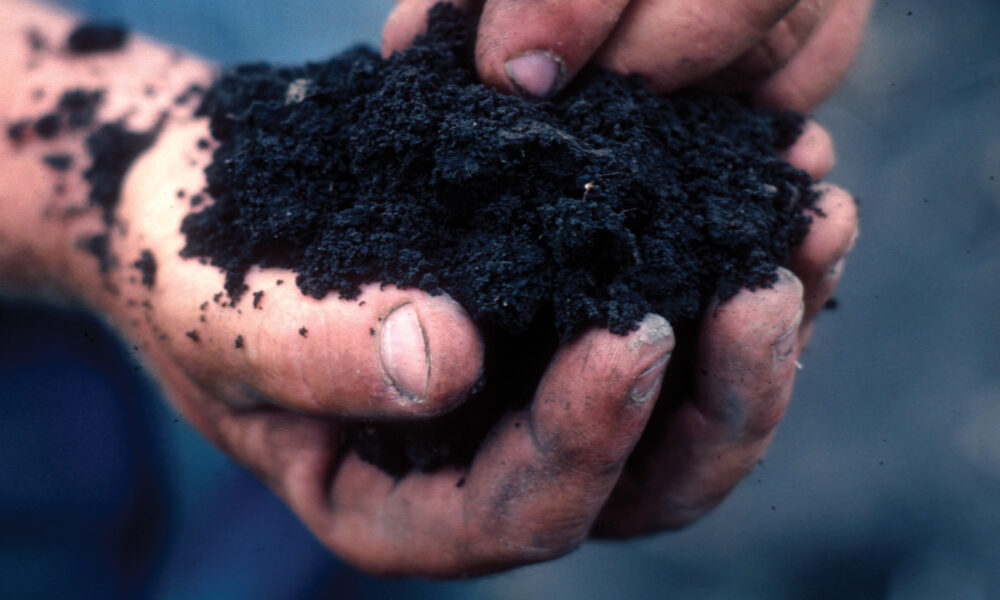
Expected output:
{"points": [[48, 126], [58, 161], [540, 218], [94, 36], [147, 266]]}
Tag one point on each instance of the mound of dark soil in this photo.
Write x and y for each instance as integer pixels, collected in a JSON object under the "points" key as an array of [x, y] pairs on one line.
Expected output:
{"points": [[540, 218]]}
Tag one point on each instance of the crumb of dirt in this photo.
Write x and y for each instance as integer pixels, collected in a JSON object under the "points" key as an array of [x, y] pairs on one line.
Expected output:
{"points": [[147, 266], [96, 36], [58, 161]]}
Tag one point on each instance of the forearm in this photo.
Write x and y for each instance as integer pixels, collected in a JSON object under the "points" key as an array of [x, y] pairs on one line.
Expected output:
{"points": [[50, 225]]}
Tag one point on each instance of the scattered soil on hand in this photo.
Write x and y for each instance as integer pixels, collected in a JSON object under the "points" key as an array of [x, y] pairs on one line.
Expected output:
{"points": [[147, 266], [94, 36], [113, 148], [76, 109], [540, 217]]}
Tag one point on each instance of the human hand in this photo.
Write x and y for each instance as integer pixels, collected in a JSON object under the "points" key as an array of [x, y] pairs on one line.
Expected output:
{"points": [[788, 53], [273, 384], [278, 403], [538, 484], [728, 390]]}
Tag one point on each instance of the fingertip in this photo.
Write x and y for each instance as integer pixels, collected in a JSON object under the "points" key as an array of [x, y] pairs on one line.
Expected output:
{"points": [[599, 390], [819, 260], [747, 326], [813, 151], [455, 350], [535, 48], [747, 352], [536, 73], [429, 353]]}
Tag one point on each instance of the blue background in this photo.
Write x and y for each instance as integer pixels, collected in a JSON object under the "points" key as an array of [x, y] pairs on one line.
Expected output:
{"points": [[883, 481]]}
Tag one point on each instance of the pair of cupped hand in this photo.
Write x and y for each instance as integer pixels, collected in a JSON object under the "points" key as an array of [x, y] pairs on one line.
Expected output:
{"points": [[585, 457]]}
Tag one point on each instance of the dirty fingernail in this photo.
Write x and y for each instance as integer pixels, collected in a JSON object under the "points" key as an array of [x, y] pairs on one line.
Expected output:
{"points": [[785, 344], [404, 352], [537, 73], [655, 337], [835, 268], [647, 383]]}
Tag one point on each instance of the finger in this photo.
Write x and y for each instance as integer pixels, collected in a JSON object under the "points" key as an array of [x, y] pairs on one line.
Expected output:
{"points": [[691, 458], [409, 19], [820, 65], [774, 51], [389, 352], [812, 151], [536, 47], [819, 260], [535, 485], [674, 44]]}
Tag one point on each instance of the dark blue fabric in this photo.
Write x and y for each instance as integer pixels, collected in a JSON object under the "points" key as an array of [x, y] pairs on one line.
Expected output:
{"points": [[90, 502], [80, 508]]}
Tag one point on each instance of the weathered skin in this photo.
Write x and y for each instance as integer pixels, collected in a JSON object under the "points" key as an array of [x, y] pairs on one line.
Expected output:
{"points": [[547, 477]]}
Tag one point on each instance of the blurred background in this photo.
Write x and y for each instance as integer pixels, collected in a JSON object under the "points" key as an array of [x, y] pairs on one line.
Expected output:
{"points": [[883, 481]]}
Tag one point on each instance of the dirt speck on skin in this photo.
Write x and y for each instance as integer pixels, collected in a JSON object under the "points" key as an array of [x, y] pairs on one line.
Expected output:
{"points": [[58, 161], [95, 36], [147, 266], [17, 131], [539, 217], [48, 126], [98, 245], [36, 41]]}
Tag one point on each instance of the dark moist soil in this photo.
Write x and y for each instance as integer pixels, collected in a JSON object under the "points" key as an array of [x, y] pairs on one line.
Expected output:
{"points": [[94, 36], [540, 218]]}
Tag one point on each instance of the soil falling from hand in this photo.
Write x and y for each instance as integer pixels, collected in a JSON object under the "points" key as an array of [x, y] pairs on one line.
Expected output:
{"points": [[540, 218]]}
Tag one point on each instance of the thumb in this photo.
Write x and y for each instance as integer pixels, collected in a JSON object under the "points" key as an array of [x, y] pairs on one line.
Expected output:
{"points": [[389, 353], [535, 48]]}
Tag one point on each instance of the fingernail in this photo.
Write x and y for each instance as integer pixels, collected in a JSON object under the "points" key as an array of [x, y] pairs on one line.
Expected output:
{"points": [[538, 73], [405, 353], [646, 384], [654, 337], [835, 268], [785, 344]]}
